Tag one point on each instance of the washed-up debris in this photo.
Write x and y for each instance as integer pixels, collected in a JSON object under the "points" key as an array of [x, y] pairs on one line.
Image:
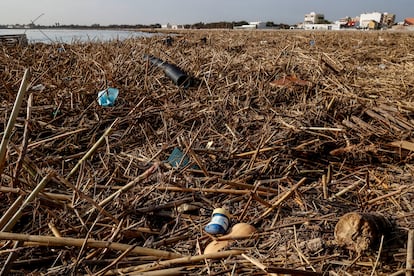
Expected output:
{"points": [[219, 222], [13, 40], [382, 66], [238, 231], [168, 41], [333, 64], [178, 159], [288, 81], [360, 231], [406, 145], [188, 208], [176, 74], [92, 187], [39, 87], [108, 96]]}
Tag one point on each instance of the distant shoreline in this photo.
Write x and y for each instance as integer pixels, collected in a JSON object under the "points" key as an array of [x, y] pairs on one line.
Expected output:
{"points": [[76, 35]]}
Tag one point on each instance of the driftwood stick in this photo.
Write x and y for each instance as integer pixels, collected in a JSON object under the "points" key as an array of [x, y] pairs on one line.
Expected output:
{"points": [[256, 262], [12, 210], [249, 186], [10, 190], [93, 149], [286, 195], [114, 262], [397, 192], [30, 198], [259, 150], [10, 259], [10, 224], [182, 260], [324, 187], [378, 256], [54, 230], [131, 184], [345, 190], [208, 190], [274, 271], [25, 140], [164, 206], [85, 197], [296, 272], [56, 241], [57, 137], [62, 197], [194, 156], [410, 253], [13, 117], [323, 128]]}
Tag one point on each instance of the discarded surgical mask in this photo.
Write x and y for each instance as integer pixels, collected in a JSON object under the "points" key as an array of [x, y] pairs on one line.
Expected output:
{"points": [[108, 96]]}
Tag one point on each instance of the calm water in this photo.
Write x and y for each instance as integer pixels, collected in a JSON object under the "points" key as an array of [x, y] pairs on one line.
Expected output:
{"points": [[70, 36]]}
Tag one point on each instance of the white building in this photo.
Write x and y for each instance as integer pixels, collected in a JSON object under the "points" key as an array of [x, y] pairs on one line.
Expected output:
{"points": [[166, 26], [366, 18], [314, 18], [172, 26], [177, 27], [259, 25], [322, 27], [252, 25]]}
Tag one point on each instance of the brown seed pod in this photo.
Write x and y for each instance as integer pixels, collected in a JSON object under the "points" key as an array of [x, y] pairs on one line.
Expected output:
{"points": [[238, 231]]}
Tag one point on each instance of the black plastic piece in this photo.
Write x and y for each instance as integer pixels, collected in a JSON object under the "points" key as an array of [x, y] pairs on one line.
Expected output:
{"points": [[178, 76]]}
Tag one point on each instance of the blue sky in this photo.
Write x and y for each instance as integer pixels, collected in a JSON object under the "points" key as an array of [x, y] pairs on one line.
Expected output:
{"points": [[106, 12]]}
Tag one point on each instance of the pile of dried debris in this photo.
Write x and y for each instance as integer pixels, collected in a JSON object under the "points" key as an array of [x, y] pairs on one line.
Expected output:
{"points": [[286, 130]]}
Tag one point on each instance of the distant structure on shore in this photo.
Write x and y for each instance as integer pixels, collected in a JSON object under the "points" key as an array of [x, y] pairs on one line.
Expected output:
{"points": [[407, 25], [317, 21], [409, 21], [366, 21], [376, 20], [311, 21], [314, 18], [227, 25], [172, 27], [252, 25]]}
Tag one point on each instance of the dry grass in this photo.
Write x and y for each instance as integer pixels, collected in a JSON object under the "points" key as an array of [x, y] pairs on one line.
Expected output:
{"points": [[248, 142]]}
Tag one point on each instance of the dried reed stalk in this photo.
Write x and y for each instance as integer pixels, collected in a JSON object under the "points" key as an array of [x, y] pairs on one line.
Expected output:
{"points": [[59, 241], [25, 140], [11, 211], [131, 184], [13, 116], [410, 253], [182, 260], [17, 215], [92, 149], [282, 198]]}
